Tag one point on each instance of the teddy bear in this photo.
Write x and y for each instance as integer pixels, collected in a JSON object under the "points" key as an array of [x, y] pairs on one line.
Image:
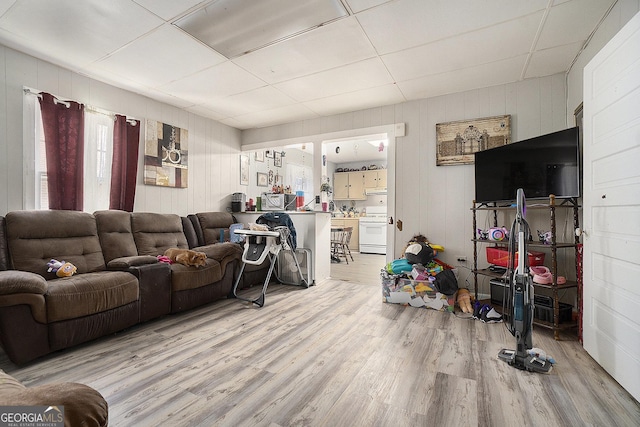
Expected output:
{"points": [[61, 268]]}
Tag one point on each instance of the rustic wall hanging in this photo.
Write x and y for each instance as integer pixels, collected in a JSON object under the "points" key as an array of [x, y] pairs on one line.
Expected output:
{"points": [[457, 141]]}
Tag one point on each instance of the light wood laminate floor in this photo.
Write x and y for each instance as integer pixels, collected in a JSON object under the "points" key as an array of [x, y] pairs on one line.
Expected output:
{"points": [[332, 355]]}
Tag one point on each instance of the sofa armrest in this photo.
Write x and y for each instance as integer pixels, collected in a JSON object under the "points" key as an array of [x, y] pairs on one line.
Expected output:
{"points": [[154, 281], [21, 282], [220, 251], [125, 263]]}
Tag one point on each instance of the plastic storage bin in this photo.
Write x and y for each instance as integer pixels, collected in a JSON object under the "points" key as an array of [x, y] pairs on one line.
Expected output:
{"points": [[497, 255]]}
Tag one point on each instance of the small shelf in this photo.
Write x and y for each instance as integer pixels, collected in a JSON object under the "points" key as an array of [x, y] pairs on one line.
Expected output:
{"points": [[555, 248], [533, 244]]}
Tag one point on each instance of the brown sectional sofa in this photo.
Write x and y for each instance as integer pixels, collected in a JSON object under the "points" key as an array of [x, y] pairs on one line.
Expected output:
{"points": [[118, 282]]}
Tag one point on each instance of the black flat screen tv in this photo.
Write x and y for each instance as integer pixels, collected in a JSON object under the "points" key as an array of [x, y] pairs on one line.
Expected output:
{"points": [[541, 166]]}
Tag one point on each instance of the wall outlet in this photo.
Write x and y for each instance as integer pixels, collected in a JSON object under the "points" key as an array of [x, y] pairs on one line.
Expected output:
{"points": [[461, 258]]}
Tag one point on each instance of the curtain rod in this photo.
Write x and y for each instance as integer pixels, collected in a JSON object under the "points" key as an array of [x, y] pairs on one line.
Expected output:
{"points": [[55, 99], [131, 120]]}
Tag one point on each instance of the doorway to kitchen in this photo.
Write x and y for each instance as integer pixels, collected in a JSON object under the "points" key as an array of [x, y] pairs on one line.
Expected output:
{"points": [[356, 171]]}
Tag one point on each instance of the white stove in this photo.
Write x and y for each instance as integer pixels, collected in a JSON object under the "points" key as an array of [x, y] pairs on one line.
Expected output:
{"points": [[373, 230]]}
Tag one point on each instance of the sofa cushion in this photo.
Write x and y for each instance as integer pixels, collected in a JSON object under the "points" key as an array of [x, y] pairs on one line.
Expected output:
{"points": [[190, 232], [183, 277], [155, 233], [114, 231], [83, 405], [197, 228], [86, 294], [212, 222], [36, 237]]}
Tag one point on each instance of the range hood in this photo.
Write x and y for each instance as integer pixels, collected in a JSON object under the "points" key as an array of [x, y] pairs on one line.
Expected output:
{"points": [[374, 191]]}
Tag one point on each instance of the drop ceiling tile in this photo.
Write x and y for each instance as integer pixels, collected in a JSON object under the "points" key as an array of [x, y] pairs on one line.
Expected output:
{"points": [[360, 5], [5, 5], [475, 77], [264, 98], [221, 80], [552, 61], [169, 98], [358, 100], [361, 75], [477, 47], [72, 33], [333, 45], [292, 113], [168, 9], [407, 23], [161, 56], [571, 21], [205, 112]]}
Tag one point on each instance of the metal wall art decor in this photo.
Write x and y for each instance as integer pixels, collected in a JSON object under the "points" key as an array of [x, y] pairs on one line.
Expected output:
{"points": [[165, 155], [457, 141]]}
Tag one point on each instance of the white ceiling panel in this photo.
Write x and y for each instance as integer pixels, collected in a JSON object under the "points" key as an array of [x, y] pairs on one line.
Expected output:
{"points": [[5, 5], [272, 117], [360, 5], [342, 42], [477, 47], [407, 23], [169, 9], [383, 53], [161, 56], [221, 80], [358, 100], [361, 75], [78, 32], [263, 98], [571, 22], [546, 61], [486, 75]]}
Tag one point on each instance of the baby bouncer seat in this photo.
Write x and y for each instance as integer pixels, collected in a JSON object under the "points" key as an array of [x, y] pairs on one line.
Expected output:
{"points": [[278, 242]]}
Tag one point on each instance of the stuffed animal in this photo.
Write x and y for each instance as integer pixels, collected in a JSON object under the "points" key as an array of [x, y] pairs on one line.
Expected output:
{"points": [[61, 268], [464, 300], [544, 237]]}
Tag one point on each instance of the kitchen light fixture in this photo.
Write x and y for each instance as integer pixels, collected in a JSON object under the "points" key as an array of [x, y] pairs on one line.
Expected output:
{"points": [[236, 27]]}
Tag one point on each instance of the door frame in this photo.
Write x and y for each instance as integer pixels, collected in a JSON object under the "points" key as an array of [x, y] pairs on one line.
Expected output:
{"points": [[318, 139]]}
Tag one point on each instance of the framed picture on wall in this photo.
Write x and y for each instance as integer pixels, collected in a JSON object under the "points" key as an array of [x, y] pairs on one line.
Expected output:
{"points": [[244, 169], [269, 154], [260, 156], [262, 179], [277, 159]]}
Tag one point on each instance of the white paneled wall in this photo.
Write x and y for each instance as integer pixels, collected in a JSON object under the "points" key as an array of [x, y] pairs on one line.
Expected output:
{"points": [[436, 200], [213, 147]]}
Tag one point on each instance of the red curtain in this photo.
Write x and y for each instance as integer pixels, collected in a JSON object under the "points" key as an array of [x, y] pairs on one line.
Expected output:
{"points": [[124, 169], [63, 124]]}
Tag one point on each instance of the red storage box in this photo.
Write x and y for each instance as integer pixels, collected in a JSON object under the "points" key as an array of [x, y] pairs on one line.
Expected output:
{"points": [[497, 255]]}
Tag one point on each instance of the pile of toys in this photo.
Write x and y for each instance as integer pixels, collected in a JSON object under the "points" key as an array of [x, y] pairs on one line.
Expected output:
{"points": [[419, 279]]}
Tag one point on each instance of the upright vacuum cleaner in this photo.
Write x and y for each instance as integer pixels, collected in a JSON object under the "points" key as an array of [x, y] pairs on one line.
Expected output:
{"points": [[518, 304]]}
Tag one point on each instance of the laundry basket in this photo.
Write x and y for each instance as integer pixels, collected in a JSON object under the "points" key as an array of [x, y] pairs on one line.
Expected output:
{"points": [[288, 271]]}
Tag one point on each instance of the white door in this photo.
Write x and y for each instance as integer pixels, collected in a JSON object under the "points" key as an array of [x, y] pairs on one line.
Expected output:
{"points": [[611, 200]]}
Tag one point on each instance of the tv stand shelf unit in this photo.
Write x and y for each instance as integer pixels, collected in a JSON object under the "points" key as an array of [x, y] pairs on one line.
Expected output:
{"points": [[554, 247]]}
